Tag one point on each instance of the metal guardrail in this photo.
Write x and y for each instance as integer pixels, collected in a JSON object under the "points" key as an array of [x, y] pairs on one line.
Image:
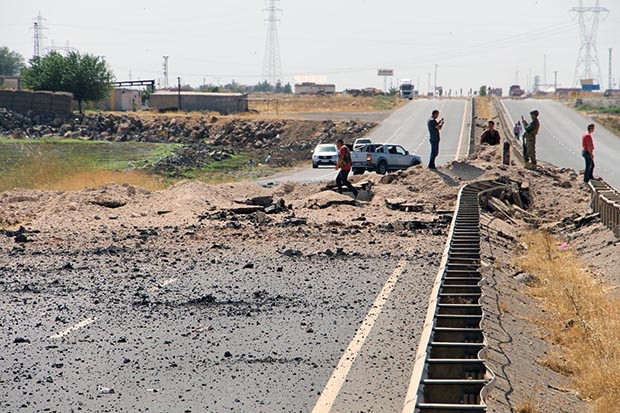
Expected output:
{"points": [[449, 373], [605, 200], [506, 126]]}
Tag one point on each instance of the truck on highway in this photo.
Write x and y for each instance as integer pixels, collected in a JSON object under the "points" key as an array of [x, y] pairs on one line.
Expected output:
{"points": [[515, 91], [406, 89], [381, 158]]}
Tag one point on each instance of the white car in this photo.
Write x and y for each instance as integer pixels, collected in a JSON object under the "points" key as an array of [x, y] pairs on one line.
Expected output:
{"points": [[324, 154]]}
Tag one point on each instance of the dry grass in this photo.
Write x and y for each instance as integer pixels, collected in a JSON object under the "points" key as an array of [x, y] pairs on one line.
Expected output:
{"points": [[70, 167], [483, 107], [581, 318], [526, 407], [80, 180], [288, 104]]}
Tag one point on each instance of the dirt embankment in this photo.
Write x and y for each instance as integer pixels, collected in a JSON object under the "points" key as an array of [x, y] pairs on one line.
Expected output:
{"points": [[286, 141]]}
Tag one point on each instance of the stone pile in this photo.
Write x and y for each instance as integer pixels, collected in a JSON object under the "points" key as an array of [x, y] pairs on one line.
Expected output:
{"points": [[204, 138]]}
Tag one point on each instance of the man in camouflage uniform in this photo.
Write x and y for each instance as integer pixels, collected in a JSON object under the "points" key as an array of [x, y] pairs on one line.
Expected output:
{"points": [[529, 138]]}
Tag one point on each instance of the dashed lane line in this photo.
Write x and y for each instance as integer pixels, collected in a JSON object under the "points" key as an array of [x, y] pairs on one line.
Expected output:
{"points": [[73, 328]]}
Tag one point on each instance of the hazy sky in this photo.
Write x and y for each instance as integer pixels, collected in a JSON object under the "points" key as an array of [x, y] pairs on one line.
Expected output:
{"points": [[472, 42]]}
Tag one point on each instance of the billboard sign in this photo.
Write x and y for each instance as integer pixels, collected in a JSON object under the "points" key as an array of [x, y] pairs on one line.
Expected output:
{"points": [[385, 72]]}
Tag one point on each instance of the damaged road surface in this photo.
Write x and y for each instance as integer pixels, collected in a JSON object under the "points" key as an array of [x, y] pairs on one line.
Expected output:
{"points": [[240, 298], [211, 306]]}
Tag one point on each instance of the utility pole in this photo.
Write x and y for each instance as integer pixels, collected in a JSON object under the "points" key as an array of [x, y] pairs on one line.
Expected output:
{"points": [[179, 89], [555, 81], [429, 84], [165, 67], [611, 86], [435, 88], [587, 66]]}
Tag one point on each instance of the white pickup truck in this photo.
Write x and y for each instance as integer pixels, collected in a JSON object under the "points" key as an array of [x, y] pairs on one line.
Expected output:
{"points": [[381, 158]]}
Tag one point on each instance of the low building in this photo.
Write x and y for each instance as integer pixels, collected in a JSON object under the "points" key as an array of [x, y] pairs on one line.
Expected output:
{"points": [[224, 103], [311, 88], [10, 82], [120, 100]]}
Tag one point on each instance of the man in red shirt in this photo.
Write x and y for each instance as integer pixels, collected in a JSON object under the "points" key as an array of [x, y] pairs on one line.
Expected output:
{"points": [[344, 164], [587, 151]]}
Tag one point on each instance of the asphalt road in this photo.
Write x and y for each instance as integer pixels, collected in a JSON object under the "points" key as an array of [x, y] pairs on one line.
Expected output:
{"points": [[159, 321], [406, 126], [559, 138]]}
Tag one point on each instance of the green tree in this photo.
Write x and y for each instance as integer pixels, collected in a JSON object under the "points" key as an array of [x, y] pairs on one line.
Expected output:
{"points": [[11, 63], [86, 76], [263, 86]]}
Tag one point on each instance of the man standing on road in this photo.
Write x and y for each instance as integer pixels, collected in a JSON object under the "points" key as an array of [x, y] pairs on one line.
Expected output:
{"points": [[434, 127], [517, 130], [587, 152], [344, 164], [529, 139]]}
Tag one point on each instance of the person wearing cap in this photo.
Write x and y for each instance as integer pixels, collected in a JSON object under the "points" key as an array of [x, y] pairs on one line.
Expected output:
{"points": [[529, 138]]}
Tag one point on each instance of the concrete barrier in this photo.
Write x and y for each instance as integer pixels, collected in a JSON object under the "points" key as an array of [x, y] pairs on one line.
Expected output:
{"points": [[41, 101], [22, 101], [6, 99], [605, 200]]}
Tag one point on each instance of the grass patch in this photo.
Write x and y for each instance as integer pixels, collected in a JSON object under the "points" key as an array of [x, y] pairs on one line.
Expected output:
{"points": [[581, 317], [220, 171], [608, 116], [75, 164], [607, 110]]}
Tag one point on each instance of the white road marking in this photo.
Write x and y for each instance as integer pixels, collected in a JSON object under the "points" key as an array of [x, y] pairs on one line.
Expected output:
{"points": [[162, 285], [74, 327], [168, 281], [334, 385]]}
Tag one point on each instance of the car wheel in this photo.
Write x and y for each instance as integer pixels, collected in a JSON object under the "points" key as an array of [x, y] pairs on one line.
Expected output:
{"points": [[382, 168], [415, 162], [314, 165]]}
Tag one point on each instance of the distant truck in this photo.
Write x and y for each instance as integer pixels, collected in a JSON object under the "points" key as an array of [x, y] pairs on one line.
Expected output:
{"points": [[515, 91], [381, 158], [406, 89]]}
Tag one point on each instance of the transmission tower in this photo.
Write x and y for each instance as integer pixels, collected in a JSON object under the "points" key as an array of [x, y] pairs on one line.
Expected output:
{"points": [[66, 49], [587, 62], [272, 67], [38, 35], [165, 67]]}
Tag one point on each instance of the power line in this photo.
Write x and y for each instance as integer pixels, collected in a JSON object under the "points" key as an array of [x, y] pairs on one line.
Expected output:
{"points": [[272, 66], [587, 66], [38, 35]]}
